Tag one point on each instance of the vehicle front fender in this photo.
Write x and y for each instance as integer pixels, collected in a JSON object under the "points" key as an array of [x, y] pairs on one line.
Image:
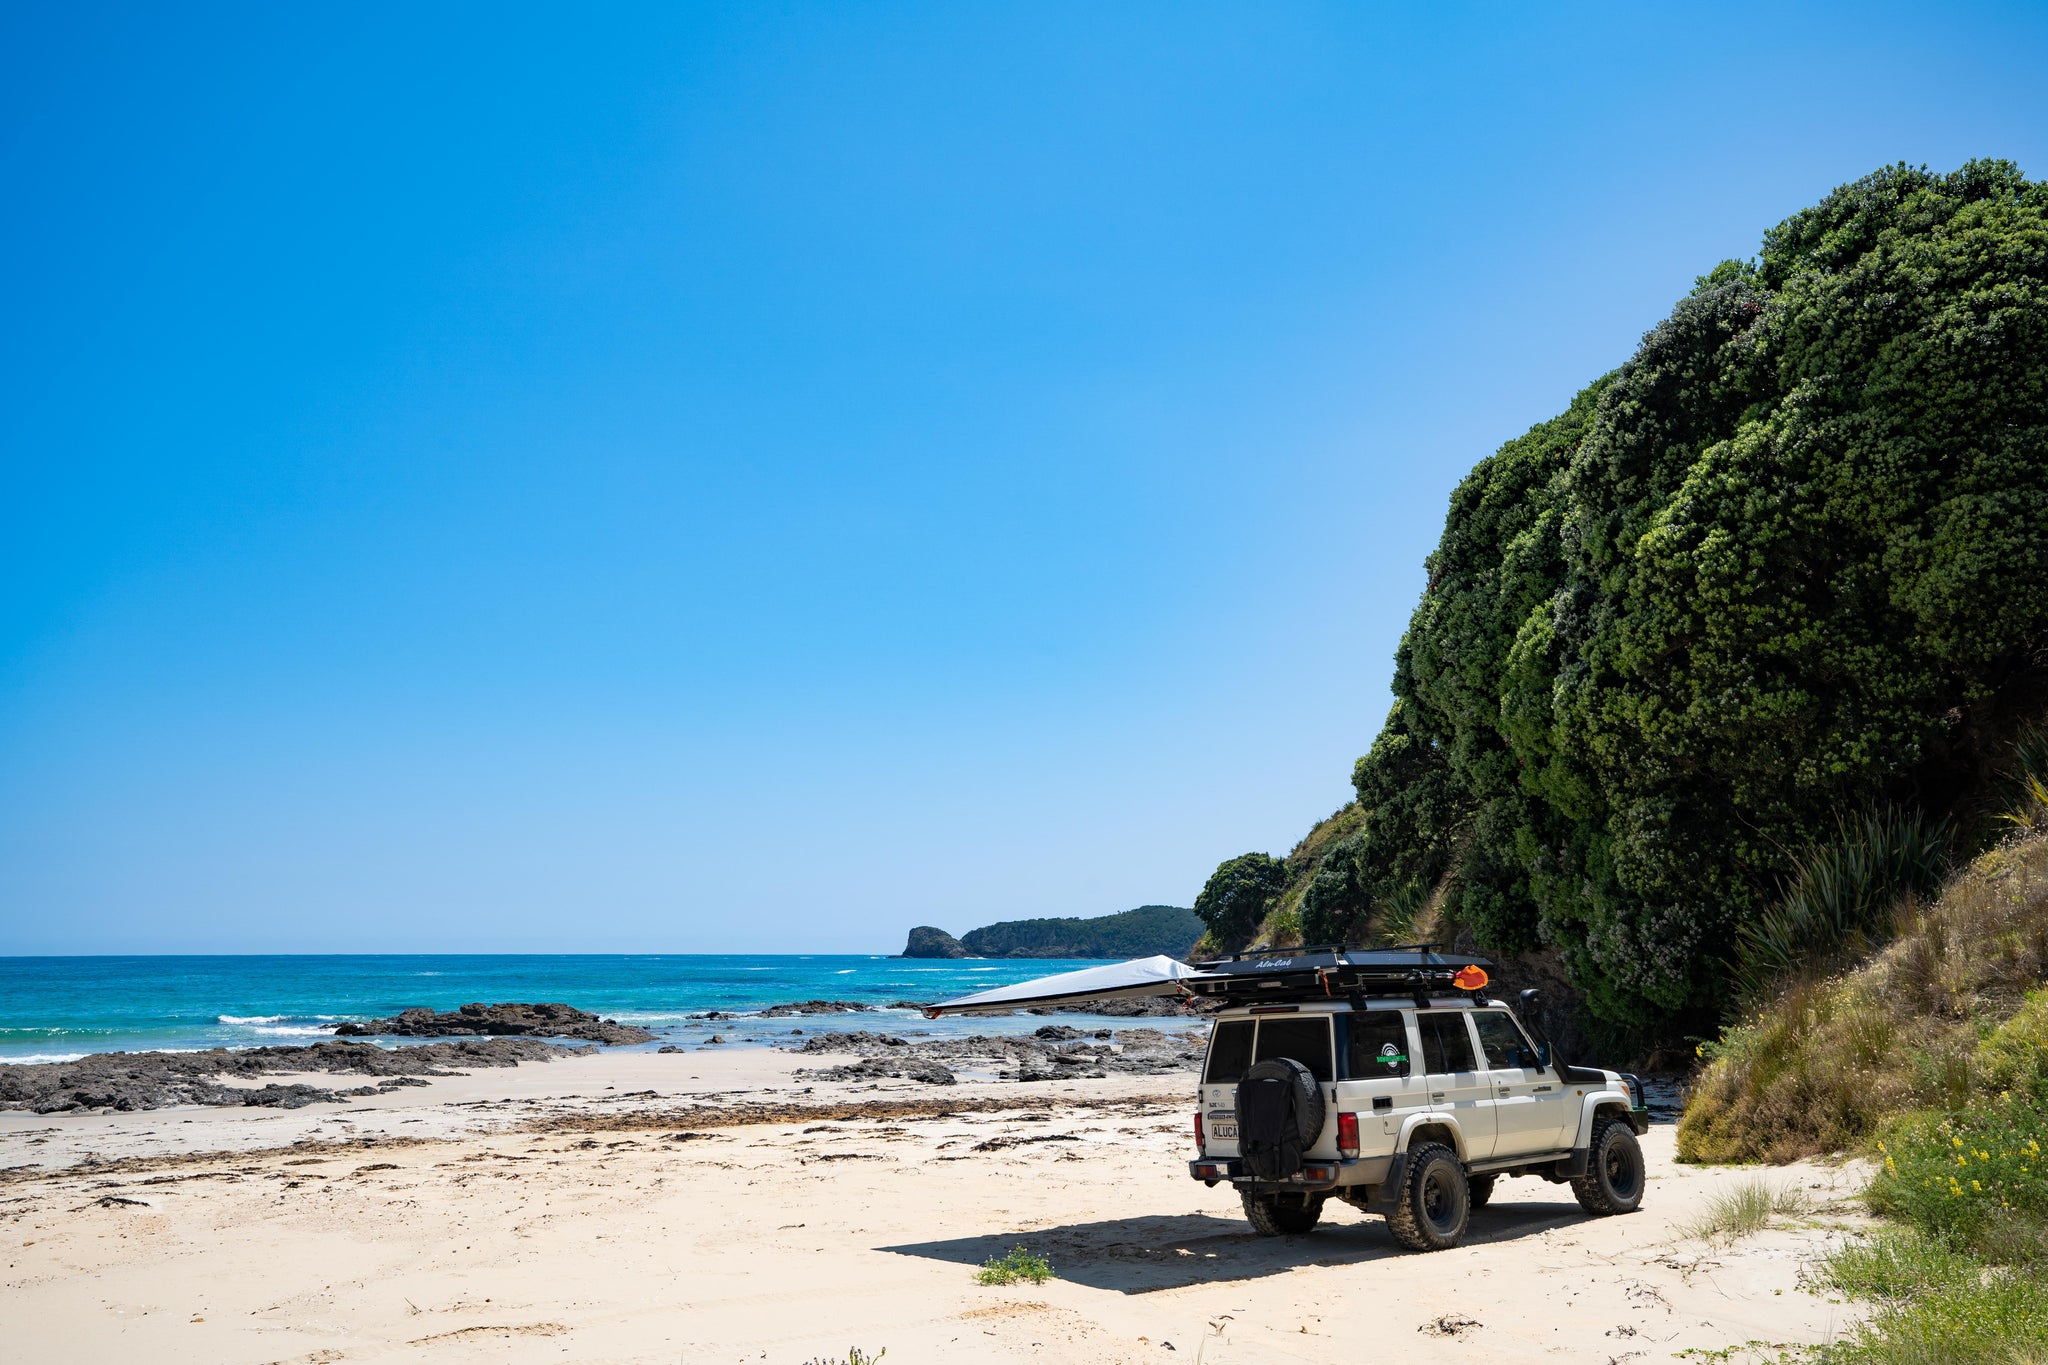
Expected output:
{"points": [[1616, 1098]]}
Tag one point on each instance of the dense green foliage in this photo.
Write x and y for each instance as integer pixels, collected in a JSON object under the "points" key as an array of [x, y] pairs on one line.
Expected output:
{"points": [[1237, 895], [1790, 560], [1146, 931]]}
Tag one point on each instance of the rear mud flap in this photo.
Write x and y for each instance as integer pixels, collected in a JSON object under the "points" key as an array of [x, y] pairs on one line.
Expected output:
{"points": [[1386, 1196]]}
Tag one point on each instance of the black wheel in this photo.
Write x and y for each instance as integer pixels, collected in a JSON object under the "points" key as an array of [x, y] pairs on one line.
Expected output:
{"points": [[1276, 1215], [1614, 1178], [1481, 1187], [1435, 1200]]}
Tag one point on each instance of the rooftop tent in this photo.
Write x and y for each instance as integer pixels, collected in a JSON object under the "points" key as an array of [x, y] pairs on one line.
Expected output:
{"points": [[1324, 973], [1119, 981]]}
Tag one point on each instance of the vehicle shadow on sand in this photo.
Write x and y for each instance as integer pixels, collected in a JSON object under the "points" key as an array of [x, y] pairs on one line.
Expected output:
{"points": [[1144, 1255]]}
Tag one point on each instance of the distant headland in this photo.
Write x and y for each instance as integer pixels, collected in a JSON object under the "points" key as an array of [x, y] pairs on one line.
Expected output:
{"points": [[1146, 931]]}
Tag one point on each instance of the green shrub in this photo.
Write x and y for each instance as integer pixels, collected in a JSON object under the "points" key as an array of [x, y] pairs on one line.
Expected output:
{"points": [[2000, 1318], [1896, 1263], [1975, 1180], [1282, 929], [1936, 1304], [1017, 1264], [2014, 1059]]}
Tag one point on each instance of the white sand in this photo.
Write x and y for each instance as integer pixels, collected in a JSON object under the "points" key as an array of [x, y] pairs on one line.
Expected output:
{"points": [[494, 1242]]}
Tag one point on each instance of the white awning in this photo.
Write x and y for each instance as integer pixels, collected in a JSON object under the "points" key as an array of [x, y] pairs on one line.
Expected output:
{"points": [[1119, 981]]}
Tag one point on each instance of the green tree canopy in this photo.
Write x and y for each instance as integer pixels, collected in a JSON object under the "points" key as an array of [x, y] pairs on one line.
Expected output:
{"points": [[1790, 560], [1236, 896]]}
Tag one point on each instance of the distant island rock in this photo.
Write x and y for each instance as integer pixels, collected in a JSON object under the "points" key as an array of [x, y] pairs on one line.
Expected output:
{"points": [[926, 941], [499, 1021], [1148, 931]]}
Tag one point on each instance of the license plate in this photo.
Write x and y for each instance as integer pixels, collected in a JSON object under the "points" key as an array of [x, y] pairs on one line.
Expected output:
{"points": [[1222, 1131]]}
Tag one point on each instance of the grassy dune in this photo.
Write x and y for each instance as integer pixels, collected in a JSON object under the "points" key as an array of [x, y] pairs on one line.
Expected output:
{"points": [[1940, 1018]]}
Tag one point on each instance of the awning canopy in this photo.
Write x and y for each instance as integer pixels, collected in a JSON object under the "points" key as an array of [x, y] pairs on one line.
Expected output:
{"points": [[1119, 981]]}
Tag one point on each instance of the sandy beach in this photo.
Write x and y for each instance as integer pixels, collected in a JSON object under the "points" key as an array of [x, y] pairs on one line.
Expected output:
{"points": [[709, 1206]]}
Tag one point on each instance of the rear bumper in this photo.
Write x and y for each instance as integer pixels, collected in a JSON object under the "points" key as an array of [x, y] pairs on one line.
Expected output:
{"points": [[1316, 1173]]}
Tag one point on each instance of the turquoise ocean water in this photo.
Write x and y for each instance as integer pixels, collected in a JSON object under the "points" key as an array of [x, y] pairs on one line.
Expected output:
{"points": [[57, 1008]]}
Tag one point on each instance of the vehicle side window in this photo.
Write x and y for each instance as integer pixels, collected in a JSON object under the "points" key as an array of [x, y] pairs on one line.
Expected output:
{"points": [[1306, 1040], [1230, 1051], [1379, 1044], [1502, 1041], [1446, 1046]]}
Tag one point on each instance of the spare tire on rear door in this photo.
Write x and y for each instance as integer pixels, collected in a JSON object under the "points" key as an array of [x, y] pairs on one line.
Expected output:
{"points": [[1279, 1113]]}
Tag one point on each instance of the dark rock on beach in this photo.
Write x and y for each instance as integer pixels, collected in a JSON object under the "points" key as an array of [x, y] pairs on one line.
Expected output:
{"points": [[1055, 1052], [925, 941], [499, 1021], [815, 1007], [881, 1069], [1145, 1007], [156, 1080]]}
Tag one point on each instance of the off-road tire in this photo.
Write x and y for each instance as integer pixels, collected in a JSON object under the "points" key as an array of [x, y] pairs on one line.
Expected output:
{"points": [[1481, 1187], [1435, 1201], [1281, 1215], [1615, 1176]]}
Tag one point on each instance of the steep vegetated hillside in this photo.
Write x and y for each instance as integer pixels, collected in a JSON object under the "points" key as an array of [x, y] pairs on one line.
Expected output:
{"points": [[1786, 566]]}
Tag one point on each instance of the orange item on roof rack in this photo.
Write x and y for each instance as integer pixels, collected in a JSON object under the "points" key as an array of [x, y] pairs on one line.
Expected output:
{"points": [[1470, 978]]}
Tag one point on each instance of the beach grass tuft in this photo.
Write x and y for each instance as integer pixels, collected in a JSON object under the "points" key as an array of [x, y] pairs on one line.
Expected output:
{"points": [[1746, 1209]]}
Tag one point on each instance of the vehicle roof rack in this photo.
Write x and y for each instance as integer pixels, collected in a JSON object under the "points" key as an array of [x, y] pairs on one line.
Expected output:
{"points": [[1336, 971]]}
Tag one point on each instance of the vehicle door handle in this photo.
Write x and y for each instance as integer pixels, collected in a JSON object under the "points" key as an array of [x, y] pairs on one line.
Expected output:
{"points": [[1506, 1090], [1438, 1095]]}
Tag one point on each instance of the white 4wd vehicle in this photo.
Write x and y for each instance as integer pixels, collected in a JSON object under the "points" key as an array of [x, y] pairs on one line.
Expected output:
{"points": [[1412, 1112], [1383, 1077]]}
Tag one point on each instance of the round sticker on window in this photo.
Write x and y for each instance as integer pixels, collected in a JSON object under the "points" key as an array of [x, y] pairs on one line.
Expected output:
{"points": [[1391, 1055]]}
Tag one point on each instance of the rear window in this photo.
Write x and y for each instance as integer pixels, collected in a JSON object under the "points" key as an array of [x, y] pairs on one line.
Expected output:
{"points": [[1379, 1045], [1304, 1038], [1230, 1052]]}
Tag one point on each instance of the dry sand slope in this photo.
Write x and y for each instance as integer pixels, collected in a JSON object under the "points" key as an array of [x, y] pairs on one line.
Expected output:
{"points": [[606, 1237]]}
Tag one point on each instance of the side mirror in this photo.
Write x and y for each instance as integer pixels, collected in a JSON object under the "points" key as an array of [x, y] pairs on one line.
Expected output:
{"points": [[1542, 1055]]}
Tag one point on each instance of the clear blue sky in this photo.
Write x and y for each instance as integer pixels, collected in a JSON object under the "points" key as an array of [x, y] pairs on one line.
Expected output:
{"points": [[697, 478]]}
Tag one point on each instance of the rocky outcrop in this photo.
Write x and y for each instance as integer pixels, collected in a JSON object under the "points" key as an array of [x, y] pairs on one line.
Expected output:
{"points": [[1144, 1007], [156, 1080], [499, 1021], [926, 941], [815, 1007], [1055, 1052]]}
